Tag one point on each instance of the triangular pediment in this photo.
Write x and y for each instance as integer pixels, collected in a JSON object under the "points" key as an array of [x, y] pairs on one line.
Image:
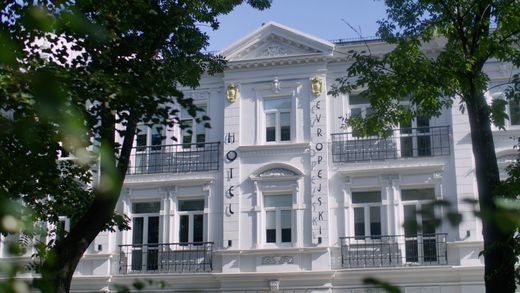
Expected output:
{"points": [[274, 40]]}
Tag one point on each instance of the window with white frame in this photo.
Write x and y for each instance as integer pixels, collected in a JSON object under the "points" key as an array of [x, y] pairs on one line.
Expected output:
{"points": [[278, 218], [419, 224], [358, 107], [366, 207], [145, 235], [498, 91], [148, 148], [192, 132], [277, 119], [149, 137], [191, 220], [415, 138]]}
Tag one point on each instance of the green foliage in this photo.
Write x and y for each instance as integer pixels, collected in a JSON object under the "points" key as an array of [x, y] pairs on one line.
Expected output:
{"points": [[428, 80], [70, 71], [436, 56]]}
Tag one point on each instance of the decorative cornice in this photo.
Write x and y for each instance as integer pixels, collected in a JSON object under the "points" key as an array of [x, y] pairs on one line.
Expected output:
{"points": [[169, 179], [401, 166], [274, 61]]}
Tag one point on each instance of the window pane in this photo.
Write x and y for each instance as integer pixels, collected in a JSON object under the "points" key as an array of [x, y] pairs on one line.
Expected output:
{"points": [[355, 112], [286, 235], [156, 135], [285, 126], [191, 205], [279, 200], [375, 221], [366, 196], [184, 228], [424, 146], [359, 223], [406, 128], [428, 219], [286, 226], [279, 103], [198, 228], [423, 124], [270, 220], [137, 231], [418, 194], [356, 100], [514, 112], [270, 225], [187, 132], [200, 133], [153, 230], [270, 127], [146, 207], [406, 146], [141, 138], [286, 219], [410, 221]]}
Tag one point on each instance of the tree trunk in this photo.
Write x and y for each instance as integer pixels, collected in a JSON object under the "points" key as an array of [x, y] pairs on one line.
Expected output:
{"points": [[59, 266], [498, 249]]}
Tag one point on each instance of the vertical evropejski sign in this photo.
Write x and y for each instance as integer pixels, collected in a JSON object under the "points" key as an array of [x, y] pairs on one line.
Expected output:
{"points": [[319, 161]]}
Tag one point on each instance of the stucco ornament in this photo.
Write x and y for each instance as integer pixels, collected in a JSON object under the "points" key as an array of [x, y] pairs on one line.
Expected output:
{"points": [[232, 93], [316, 86]]}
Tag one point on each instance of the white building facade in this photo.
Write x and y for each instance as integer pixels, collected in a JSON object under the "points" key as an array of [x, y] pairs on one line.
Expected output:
{"points": [[279, 196]]}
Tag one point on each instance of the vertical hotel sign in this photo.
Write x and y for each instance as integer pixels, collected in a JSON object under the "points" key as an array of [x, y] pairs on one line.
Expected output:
{"points": [[231, 170], [319, 161]]}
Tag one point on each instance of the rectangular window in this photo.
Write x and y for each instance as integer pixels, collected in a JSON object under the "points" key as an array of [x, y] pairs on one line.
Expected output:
{"points": [[148, 142], [419, 225], [416, 138], [145, 235], [277, 119], [367, 214], [278, 218], [192, 130], [191, 220], [514, 112]]}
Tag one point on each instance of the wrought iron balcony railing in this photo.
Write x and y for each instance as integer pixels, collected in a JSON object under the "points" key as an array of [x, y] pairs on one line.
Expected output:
{"points": [[393, 250], [404, 143], [176, 158], [193, 257]]}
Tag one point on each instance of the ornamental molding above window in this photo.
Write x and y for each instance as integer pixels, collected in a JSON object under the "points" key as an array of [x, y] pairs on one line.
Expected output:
{"points": [[277, 172]]}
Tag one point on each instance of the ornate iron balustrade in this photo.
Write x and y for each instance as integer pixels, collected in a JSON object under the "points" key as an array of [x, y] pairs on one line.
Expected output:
{"points": [[404, 143], [192, 257], [178, 158], [393, 250]]}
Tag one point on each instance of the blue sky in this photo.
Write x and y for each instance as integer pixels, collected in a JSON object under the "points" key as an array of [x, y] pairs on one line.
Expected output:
{"points": [[322, 18]]}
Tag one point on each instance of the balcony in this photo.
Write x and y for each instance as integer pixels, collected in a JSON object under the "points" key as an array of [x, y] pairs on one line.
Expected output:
{"points": [[194, 257], [178, 158], [393, 251], [403, 143]]}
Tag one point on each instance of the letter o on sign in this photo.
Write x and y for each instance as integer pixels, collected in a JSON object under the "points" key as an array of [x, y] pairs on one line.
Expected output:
{"points": [[231, 156]]}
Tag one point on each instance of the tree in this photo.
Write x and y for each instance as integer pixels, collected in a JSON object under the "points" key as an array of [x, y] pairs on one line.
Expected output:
{"points": [[471, 32], [74, 75]]}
